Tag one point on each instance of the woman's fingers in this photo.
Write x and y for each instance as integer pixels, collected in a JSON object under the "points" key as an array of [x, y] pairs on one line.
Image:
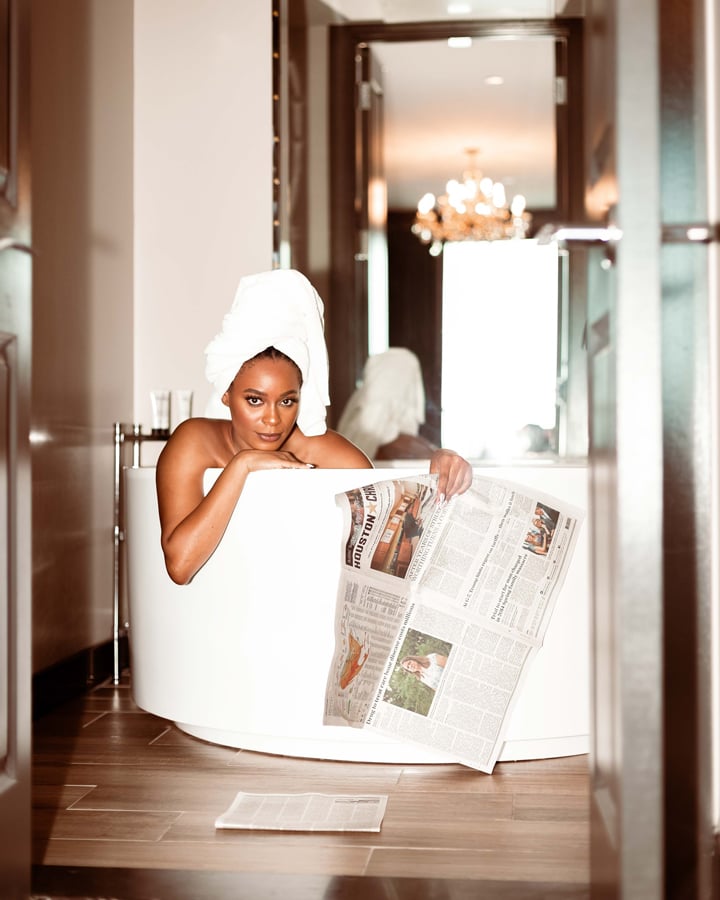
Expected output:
{"points": [[453, 471], [276, 459]]}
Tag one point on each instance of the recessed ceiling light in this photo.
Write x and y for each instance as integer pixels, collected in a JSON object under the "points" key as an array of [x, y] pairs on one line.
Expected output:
{"points": [[459, 42], [494, 79], [459, 9]]}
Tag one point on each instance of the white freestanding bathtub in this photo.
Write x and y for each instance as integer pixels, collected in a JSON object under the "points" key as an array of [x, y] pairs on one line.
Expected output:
{"points": [[240, 656]]}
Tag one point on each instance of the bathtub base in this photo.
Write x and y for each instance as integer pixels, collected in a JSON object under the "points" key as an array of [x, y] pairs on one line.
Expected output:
{"points": [[364, 746]]}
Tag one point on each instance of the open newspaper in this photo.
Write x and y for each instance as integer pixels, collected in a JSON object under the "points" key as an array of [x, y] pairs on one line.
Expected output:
{"points": [[441, 607]]}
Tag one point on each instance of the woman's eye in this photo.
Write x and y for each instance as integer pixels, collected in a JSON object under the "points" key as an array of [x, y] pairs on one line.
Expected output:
{"points": [[289, 401], [254, 401]]}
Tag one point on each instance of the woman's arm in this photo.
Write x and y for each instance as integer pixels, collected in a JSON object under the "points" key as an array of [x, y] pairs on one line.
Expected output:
{"points": [[191, 522]]}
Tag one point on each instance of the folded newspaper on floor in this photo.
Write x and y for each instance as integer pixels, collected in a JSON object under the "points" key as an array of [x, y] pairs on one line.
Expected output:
{"points": [[441, 607], [305, 812]]}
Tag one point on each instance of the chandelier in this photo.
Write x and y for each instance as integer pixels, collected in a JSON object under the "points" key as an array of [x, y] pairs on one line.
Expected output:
{"points": [[474, 209]]}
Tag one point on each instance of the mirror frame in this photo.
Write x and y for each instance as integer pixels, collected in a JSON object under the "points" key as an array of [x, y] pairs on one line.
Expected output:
{"points": [[342, 281]]}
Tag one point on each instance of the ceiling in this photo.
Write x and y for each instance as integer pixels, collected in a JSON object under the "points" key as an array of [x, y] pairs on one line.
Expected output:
{"points": [[437, 105], [437, 102]]}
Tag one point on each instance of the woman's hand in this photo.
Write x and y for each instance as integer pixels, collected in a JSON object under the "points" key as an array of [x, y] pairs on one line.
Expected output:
{"points": [[255, 460], [454, 473]]}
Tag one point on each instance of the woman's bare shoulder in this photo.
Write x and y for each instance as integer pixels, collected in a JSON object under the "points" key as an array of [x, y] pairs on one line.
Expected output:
{"points": [[196, 443], [328, 451]]}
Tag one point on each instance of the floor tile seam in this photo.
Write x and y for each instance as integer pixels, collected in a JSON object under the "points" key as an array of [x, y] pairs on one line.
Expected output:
{"points": [[495, 790], [110, 703], [81, 797], [552, 821], [64, 784], [123, 810], [76, 783], [481, 877], [293, 841], [560, 868], [379, 850], [97, 715], [569, 785], [540, 852], [561, 790], [160, 839], [100, 840], [560, 809], [454, 794], [346, 870], [487, 842], [505, 775], [160, 736], [282, 840]]}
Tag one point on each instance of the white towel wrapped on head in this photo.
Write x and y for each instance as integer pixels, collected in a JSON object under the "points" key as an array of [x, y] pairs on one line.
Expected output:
{"points": [[280, 309], [389, 402]]}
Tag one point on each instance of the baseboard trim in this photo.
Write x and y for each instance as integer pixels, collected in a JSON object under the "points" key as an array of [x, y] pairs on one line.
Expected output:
{"points": [[75, 676]]}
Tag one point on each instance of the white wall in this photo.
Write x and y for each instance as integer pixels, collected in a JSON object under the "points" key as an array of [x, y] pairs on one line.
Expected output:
{"points": [[203, 179], [152, 193]]}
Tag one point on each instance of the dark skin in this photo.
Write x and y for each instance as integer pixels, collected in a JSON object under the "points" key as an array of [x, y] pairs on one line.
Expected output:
{"points": [[261, 434]]}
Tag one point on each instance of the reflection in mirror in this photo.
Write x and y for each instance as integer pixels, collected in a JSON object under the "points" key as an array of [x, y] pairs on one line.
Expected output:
{"points": [[420, 107], [441, 100], [386, 411]]}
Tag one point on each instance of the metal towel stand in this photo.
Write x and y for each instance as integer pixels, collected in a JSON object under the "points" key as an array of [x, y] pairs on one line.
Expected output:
{"points": [[123, 435]]}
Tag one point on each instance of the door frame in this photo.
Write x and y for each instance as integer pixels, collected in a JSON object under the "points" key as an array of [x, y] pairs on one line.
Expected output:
{"points": [[16, 525], [654, 444], [348, 282]]}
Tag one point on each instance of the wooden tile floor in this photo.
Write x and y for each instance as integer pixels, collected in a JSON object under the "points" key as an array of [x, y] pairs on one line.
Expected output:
{"points": [[116, 787]]}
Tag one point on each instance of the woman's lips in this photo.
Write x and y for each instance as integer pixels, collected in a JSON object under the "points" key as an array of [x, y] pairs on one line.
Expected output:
{"points": [[270, 438]]}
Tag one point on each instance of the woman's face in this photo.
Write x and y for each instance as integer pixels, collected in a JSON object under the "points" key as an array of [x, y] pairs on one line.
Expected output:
{"points": [[264, 402], [410, 665]]}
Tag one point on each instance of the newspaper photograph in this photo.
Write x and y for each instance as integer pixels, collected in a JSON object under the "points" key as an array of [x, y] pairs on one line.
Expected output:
{"points": [[441, 607]]}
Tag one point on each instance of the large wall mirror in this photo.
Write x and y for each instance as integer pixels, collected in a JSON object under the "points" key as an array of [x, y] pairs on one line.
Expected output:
{"points": [[377, 104]]}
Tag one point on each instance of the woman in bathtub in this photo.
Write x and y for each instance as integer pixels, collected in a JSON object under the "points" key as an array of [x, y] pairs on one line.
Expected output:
{"points": [[269, 369]]}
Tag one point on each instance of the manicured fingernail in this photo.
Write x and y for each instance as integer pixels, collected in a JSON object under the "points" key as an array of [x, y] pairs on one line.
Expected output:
{"points": [[441, 498], [310, 465]]}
